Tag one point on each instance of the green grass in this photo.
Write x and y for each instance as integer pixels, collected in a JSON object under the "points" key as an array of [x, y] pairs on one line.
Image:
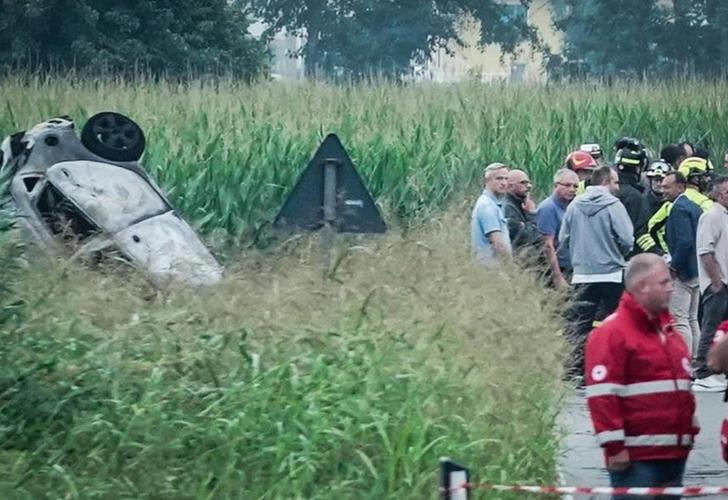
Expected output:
{"points": [[276, 384], [228, 154]]}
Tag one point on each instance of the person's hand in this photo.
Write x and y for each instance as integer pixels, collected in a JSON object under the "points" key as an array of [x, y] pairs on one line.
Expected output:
{"points": [[618, 462], [718, 355], [716, 287], [560, 283], [529, 206]]}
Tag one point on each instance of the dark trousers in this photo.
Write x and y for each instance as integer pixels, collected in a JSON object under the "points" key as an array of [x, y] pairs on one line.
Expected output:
{"points": [[592, 302], [715, 311], [649, 473]]}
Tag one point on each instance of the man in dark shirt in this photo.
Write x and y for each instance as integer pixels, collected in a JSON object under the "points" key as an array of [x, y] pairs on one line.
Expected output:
{"points": [[629, 163], [520, 212]]}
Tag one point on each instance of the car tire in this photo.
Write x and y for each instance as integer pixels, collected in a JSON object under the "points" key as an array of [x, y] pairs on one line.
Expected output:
{"points": [[113, 136]]}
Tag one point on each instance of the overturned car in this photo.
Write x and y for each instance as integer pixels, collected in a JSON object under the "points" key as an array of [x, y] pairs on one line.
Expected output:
{"points": [[92, 195]]}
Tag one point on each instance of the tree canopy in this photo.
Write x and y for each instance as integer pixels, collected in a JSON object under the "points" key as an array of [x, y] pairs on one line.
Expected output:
{"points": [[354, 38], [623, 38], [172, 37]]}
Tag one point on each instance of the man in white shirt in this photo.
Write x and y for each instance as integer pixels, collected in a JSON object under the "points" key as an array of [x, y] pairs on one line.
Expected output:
{"points": [[712, 249]]}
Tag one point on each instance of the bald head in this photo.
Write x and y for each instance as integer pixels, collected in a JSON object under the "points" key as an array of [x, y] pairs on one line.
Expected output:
{"points": [[519, 184], [648, 279], [639, 267]]}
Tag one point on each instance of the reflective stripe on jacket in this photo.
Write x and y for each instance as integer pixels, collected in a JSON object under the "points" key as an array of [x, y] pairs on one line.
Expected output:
{"points": [[638, 385], [653, 239]]}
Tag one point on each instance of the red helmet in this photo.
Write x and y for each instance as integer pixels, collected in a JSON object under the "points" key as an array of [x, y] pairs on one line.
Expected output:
{"points": [[580, 160]]}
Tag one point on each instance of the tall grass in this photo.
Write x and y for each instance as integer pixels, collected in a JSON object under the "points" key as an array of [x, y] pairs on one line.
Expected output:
{"points": [[276, 385], [228, 154]]}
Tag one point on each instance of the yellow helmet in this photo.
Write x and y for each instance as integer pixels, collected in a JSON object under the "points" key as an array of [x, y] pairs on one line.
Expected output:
{"points": [[695, 166]]}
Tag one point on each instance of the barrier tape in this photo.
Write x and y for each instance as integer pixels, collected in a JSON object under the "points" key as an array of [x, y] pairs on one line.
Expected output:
{"points": [[686, 491], [456, 484]]}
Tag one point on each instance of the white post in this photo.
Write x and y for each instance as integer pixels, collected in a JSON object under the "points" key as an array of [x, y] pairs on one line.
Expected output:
{"points": [[452, 478]]}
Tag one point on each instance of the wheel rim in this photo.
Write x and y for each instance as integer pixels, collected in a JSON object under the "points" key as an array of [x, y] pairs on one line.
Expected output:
{"points": [[116, 132]]}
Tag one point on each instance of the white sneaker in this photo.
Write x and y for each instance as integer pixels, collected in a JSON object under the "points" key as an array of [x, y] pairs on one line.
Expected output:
{"points": [[713, 383]]}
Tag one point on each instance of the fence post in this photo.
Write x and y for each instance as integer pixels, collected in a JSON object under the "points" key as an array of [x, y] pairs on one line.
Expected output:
{"points": [[452, 477], [331, 166]]}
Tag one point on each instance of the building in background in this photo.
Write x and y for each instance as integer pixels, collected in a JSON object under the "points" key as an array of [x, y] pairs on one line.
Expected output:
{"points": [[488, 64], [283, 49], [470, 62]]}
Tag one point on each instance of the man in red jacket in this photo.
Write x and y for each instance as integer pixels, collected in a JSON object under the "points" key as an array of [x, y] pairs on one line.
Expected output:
{"points": [[638, 383]]}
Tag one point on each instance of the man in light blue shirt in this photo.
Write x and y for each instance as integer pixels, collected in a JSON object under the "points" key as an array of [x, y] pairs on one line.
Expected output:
{"points": [[488, 227]]}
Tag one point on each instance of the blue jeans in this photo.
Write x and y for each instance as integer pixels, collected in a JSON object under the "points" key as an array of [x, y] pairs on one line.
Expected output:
{"points": [[648, 473]]}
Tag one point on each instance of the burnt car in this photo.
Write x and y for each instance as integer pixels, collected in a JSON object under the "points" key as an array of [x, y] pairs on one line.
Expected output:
{"points": [[92, 195]]}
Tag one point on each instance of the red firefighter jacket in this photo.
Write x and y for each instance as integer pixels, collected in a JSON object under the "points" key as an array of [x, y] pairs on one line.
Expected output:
{"points": [[638, 385]]}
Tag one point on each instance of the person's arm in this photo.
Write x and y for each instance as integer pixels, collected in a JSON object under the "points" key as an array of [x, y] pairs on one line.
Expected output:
{"points": [[529, 206], [546, 224], [489, 220], [622, 228], [550, 250], [513, 218], [707, 236], [605, 358], [499, 245], [711, 268]]}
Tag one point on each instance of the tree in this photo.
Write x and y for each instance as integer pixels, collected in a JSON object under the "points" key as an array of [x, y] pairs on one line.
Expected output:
{"points": [[624, 38], [158, 36], [696, 38], [609, 38], [357, 38]]}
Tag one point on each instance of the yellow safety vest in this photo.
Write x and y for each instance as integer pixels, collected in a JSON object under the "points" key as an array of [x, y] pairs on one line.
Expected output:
{"points": [[655, 234], [699, 199]]}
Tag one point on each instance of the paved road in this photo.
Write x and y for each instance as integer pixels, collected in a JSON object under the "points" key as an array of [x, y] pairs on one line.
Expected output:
{"points": [[581, 462]]}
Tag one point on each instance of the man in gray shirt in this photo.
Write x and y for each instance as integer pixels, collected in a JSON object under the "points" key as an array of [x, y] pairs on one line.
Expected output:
{"points": [[596, 234], [712, 248]]}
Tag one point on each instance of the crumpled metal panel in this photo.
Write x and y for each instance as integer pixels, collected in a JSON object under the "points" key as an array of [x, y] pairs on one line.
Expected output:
{"points": [[112, 197], [118, 197], [165, 247]]}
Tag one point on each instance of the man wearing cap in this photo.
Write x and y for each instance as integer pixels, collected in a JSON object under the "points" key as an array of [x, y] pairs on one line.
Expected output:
{"points": [[583, 164], [638, 383], [489, 235]]}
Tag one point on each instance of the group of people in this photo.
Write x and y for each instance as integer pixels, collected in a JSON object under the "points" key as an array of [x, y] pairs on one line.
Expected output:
{"points": [[642, 244], [598, 216]]}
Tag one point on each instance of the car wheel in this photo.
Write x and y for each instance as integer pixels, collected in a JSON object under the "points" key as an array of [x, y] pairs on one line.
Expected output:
{"points": [[113, 136]]}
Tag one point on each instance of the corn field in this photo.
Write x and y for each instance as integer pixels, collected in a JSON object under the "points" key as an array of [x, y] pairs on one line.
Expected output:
{"points": [[274, 384], [227, 154]]}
